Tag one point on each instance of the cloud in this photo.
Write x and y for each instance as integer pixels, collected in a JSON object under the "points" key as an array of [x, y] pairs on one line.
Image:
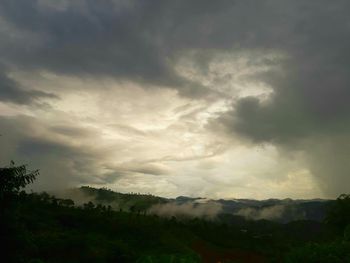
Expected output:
{"points": [[308, 110], [149, 168], [139, 41], [10, 91], [271, 72], [61, 163], [269, 213], [144, 41], [88, 38]]}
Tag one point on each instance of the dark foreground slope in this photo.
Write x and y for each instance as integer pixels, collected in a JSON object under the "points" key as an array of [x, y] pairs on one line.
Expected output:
{"points": [[38, 228], [42, 228]]}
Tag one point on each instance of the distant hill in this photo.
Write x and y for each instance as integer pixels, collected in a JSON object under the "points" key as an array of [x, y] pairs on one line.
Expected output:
{"points": [[282, 211], [130, 202], [278, 210]]}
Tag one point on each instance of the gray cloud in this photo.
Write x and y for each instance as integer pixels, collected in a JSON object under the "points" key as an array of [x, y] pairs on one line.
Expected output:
{"points": [[309, 110], [27, 140], [73, 132], [148, 167], [87, 37], [135, 40], [64, 155], [10, 91], [142, 41]]}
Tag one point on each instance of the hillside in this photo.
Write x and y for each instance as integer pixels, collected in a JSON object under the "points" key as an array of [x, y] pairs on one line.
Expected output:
{"points": [[48, 229], [283, 211], [105, 226]]}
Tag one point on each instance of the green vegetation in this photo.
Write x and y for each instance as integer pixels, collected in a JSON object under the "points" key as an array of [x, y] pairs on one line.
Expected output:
{"points": [[38, 227], [138, 203], [338, 250]]}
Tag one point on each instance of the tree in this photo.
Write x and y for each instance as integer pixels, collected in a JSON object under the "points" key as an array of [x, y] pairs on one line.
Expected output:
{"points": [[13, 178], [66, 202], [339, 212]]}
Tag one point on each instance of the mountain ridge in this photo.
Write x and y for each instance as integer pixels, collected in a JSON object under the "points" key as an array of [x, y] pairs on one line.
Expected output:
{"points": [[279, 210]]}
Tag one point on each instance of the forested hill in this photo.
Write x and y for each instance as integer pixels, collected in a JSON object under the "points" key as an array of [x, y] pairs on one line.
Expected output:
{"points": [[42, 228], [130, 202], [278, 210]]}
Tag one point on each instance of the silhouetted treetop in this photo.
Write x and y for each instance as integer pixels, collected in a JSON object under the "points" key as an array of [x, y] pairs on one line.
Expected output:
{"points": [[339, 213], [13, 178]]}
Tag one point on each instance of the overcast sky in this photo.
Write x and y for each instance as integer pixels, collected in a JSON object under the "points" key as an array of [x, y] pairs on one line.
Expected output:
{"points": [[219, 99]]}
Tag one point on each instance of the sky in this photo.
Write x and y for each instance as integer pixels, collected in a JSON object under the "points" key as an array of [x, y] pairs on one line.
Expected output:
{"points": [[217, 99]]}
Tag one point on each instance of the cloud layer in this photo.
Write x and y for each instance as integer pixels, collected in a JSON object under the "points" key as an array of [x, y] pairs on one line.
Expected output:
{"points": [[195, 97]]}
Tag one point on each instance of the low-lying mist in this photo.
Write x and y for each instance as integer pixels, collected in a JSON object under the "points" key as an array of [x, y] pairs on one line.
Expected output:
{"points": [[208, 210], [282, 211], [275, 212]]}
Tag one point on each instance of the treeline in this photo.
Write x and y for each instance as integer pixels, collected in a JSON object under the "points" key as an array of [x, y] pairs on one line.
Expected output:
{"points": [[134, 203], [38, 227]]}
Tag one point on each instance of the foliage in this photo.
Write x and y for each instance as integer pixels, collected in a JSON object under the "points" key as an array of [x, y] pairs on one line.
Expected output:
{"points": [[334, 252], [136, 203], [40, 227], [339, 212], [173, 258], [50, 229], [347, 233], [13, 178]]}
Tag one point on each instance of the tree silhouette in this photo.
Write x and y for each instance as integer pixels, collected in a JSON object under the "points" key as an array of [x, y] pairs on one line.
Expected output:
{"points": [[339, 213], [13, 178]]}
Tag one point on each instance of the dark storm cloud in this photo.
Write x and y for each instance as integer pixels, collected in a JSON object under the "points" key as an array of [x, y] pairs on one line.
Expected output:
{"points": [[133, 40], [10, 91], [312, 88], [310, 107], [36, 146], [141, 40], [89, 37]]}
